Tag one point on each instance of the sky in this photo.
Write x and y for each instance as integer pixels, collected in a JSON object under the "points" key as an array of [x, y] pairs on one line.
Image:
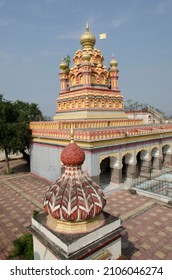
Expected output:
{"points": [[35, 35]]}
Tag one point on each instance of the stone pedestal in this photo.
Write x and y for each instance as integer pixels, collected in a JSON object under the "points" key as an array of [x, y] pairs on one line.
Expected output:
{"points": [[103, 242]]}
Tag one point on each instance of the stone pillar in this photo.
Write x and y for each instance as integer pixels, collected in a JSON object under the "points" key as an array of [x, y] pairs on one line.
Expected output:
{"points": [[145, 166], [167, 159], [131, 166], [156, 163], [116, 175], [156, 160], [116, 171], [131, 171]]}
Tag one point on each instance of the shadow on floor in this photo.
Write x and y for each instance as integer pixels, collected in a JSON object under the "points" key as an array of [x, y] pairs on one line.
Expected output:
{"points": [[21, 167], [128, 248], [16, 165]]}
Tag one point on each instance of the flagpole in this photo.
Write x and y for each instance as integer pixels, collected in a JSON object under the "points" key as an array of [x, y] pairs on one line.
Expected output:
{"points": [[103, 36]]}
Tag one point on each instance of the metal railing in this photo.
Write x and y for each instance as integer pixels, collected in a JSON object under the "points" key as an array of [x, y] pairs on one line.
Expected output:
{"points": [[154, 185]]}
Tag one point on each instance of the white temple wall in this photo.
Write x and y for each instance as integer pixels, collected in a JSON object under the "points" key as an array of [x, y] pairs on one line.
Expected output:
{"points": [[45, 161]]}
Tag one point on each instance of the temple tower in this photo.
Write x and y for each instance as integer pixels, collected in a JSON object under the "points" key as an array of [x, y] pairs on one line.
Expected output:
{"points": [[88, 88]]}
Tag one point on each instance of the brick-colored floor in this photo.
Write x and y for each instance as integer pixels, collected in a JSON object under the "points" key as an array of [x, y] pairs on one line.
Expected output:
{"points": [[148, 223]]}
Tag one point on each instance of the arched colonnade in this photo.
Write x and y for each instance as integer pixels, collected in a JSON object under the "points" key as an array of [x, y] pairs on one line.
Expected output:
{"points": [[134, 163]]}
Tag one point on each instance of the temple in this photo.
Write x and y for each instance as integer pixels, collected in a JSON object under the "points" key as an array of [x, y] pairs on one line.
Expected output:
{"points": [[117, 148]]}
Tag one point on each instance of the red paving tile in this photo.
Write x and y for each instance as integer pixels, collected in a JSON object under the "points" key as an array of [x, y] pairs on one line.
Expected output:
{"points": [[148, 233]]}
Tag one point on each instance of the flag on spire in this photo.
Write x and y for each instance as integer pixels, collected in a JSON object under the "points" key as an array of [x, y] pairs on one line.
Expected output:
{"points": [[102, 36]]}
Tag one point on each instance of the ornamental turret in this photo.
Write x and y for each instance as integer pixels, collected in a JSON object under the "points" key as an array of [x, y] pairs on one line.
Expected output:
{"points": [[64, 79], [114, 73]]}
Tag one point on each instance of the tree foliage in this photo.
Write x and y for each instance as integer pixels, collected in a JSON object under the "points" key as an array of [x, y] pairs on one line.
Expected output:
{"points": [[135, 105], [67, 60], [23, 248], [14, 126]]}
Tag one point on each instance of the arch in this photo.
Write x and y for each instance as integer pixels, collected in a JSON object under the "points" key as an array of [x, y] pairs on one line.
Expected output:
{"points": [[127, 159], [120, 104], [83, 103], [105, 171], [144, 154], [155, 152], [114, 162], [98, 58], [79, 79], [91, 103], [72, 80], [142, 162], [154, 158], [93, 79], [166, 155], [106, 103], [76, 104], [138, 164], [149, 119], [166, 149], [99, 103], [102, 79]]}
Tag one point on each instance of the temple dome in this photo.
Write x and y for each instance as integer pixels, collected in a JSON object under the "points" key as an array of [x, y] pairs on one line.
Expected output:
{"points": [[63, 65], [113, 63], [87, 39]]}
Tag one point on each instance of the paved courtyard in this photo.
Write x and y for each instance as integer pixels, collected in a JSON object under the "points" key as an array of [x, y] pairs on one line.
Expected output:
{"points": [[148, 222]]}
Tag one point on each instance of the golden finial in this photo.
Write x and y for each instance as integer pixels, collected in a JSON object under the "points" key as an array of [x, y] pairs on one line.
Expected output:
{"points": [[87, 27], [71, 134], [87, 39], [113, 62]]}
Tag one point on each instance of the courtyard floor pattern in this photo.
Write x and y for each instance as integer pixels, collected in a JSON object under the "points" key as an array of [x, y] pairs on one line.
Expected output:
{"points": [[147, 222]]}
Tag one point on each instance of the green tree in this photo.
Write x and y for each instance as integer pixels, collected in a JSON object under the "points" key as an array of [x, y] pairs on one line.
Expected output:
{"points": [[27, 112], [7, 128], [14, 127], [129, 104], [67, 60]]}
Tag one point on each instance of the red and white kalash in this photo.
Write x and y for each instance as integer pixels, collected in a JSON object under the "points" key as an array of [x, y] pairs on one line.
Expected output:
{"points": [[74, 203]]}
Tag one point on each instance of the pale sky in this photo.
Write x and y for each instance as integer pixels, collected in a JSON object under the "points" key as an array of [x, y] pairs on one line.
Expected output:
{"points": [[36, 34]]}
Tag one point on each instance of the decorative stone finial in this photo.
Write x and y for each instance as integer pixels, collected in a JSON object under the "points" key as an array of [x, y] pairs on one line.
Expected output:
{"points": [[75, 197]]}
